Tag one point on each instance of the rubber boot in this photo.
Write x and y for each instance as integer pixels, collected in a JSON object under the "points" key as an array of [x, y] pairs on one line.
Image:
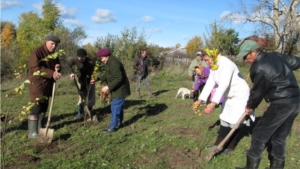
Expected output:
{"points": [[276, 163], [41, 121], [79, 114], [139, 95], [252, 163], [32, 126]]}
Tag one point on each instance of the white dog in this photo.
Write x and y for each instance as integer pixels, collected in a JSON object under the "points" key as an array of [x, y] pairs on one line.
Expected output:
{"points": [[183, 91]]}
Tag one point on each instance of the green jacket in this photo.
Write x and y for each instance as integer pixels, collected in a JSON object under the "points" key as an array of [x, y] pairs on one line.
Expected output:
{"points": [[116, 79]]}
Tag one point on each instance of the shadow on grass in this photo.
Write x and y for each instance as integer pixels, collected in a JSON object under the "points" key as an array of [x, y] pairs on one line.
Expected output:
{"points": [[160, 92], [149, 110]]}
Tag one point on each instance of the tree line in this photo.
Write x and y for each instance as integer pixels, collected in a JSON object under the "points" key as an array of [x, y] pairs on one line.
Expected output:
{"points": [[17, 42]]}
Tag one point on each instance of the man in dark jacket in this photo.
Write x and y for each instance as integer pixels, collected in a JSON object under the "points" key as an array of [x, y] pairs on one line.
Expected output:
{"points": [[273, 79], [85, 68], [41, 85], [141, 66], [117, 83]]}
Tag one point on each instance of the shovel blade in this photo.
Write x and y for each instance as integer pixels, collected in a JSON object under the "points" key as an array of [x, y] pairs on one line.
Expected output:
{"points": [[45, 137], [212, 153]]}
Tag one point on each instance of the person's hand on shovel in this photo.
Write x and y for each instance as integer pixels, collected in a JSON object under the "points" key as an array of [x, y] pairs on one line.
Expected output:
{"points": [[72, 75], [92, 81], [248, 110], [56, 75]]}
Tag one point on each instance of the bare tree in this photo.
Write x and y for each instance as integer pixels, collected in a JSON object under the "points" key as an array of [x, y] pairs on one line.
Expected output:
{"points": [[279, 17]]}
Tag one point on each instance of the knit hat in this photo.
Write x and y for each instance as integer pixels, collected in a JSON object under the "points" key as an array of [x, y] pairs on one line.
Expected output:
{"points": [[81, 52], [247, 47], [103, 52], [199, 53], [53, 38]]}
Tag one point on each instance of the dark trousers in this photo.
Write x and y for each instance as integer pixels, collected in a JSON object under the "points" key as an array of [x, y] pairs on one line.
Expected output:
{"points": [[274, 126], [40, 108]]}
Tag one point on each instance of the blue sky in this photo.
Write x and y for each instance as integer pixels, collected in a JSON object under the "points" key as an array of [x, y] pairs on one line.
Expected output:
{"points": [[165, 22]]}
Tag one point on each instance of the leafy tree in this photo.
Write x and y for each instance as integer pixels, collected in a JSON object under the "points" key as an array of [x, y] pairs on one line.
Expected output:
{"points": [[126, 47], [8, 33], [279, 18], [194, 45], [177, 45], [28, 36], [50, 16], [91, 50], [33, 29], [220, 38], [70, 40], [131, 43]]}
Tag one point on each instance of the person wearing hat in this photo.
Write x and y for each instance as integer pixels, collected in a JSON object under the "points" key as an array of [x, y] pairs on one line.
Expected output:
{"points": [[225, 80], [141, 64], [117, 83], [198, 61], [273, 80], [85, 67], [40, 86]]}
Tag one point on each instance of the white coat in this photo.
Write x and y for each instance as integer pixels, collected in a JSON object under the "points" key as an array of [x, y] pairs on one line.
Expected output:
{"points": [[232, 85]]}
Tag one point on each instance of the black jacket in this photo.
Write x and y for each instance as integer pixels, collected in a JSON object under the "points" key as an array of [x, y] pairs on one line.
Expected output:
{"points": [[140, 67], [85, 70], [273, 78]]}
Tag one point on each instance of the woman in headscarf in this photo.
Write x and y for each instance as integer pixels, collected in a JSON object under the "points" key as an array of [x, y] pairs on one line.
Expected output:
{"points": [[231, 84], [201, 78]]}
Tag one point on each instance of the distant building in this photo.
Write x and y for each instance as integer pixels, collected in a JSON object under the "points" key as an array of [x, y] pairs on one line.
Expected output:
{"points": [[177, 55]]}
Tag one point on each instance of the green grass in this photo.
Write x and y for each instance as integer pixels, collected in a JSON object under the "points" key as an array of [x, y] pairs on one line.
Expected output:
{"points": [[162, 132]]}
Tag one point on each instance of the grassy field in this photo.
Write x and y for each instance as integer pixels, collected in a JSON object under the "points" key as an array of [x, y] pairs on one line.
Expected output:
{"points": [[159, 133]]}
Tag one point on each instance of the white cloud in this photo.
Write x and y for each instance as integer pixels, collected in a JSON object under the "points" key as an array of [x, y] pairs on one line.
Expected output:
{"points": [[73, 22], [66, 12], [185, 37], [225, 14], [235, 18], [154, 30], [7, 4], [103, 16], [147, 19], [38, 6]]}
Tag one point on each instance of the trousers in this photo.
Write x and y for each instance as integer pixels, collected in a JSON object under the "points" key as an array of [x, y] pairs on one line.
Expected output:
{"points": [[138, 83], [274, 126]]}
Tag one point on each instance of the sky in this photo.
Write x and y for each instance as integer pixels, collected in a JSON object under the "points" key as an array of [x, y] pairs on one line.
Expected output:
{"points": [[164, 22]]}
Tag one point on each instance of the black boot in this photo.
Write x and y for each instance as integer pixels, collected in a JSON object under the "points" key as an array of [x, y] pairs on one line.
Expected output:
{"points": [[195, 95], [252, 163], [217, 142], [276, 163], [32, 126]]}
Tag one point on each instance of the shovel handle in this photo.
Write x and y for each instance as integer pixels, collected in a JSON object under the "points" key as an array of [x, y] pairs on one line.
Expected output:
{"points": [[220, 146], [51, 104]]}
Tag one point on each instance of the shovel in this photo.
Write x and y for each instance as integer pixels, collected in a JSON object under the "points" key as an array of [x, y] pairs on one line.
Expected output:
{"points": [[220, 146], [85, 108], [46, 134]]}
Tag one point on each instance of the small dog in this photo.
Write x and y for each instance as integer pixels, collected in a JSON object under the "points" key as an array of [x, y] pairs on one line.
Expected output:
{"points": [[183, 91]]}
